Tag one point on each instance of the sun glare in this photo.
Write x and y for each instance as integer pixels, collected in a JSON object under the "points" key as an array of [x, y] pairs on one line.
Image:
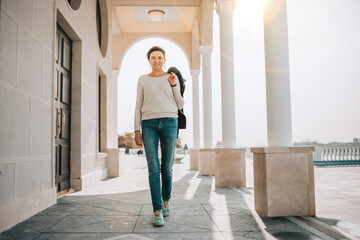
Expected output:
{"points": [[246, 10], [272, 8]]}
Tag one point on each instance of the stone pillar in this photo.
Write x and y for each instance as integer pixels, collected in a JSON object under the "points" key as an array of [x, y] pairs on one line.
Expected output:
{"points": [[284, 181], [112, 105], [207, 156], [283, 175], [115, 161], [225, 10], [194, 159], [194, 153], [207, 95], [230, 167], [207, 159], [277, 74], [196, 107]]}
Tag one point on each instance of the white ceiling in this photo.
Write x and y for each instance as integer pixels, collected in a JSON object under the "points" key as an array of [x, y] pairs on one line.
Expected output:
{"points": [[141, 14], [156, 2], [177, 19]]}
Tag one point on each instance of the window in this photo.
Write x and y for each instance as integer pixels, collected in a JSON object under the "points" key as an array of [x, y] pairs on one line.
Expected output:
{"points": [[101, 106], [102, 26], [74, 4]]}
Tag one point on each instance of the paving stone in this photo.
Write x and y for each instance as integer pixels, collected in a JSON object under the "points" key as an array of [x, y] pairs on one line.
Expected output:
{"points": [[130, 237], [95, 224], [78, 209], [41, 223], [183, 207], [278, 224], [139, 197], [20, 231], [227, 208], [133, 209], [77, 199], [77, 236], [235, 222], [286, 235], [243, 235], [179, 224], [186, 236]]}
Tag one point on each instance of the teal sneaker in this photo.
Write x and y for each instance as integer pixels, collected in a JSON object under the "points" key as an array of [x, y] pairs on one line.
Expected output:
{"points": [[158, 219], [166, 209]]}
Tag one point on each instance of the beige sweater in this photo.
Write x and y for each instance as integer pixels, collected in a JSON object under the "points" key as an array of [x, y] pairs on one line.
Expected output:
{"points": [[156, 99]]}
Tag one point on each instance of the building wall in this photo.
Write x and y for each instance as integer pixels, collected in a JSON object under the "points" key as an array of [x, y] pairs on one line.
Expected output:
{"points": [[27, 116]]}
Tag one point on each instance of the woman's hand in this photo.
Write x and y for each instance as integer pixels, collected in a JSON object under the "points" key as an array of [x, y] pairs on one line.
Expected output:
{"points": [[172, 79], [138, 139]]}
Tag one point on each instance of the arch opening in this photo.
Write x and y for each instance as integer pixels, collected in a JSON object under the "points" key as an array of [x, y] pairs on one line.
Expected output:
{"points": [[134, 64]]}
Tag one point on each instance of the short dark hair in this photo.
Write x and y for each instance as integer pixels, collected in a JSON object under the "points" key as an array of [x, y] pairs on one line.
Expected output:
{"points": [[153, 49]]}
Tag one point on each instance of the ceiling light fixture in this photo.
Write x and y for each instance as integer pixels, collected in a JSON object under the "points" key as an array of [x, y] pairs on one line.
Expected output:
{"points": [[156, 15]]}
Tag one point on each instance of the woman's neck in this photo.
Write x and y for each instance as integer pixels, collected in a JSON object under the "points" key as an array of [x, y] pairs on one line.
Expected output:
{"points": [[157, 73]]}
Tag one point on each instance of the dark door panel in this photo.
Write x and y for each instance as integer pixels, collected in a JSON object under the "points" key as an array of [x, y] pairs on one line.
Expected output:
{"points": [[57, 84], [65, 164], [65, 121], [63, 109], [66, 54], [65, 84]]}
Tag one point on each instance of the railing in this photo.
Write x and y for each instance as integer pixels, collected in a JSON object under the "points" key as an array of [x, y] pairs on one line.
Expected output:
{"points": [[337, 155], [340, 153]]}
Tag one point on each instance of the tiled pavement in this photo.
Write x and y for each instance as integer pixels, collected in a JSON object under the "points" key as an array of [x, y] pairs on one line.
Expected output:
{"points": [[120, 208]]}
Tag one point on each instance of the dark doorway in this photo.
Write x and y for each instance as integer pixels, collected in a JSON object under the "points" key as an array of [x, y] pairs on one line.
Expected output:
{"points": [[62, 109]]}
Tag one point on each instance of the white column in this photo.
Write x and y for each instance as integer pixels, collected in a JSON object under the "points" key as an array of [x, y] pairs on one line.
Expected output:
{"points": [[112, 112], [207, 97], [225, 10], [196, 107], [277, 74]]}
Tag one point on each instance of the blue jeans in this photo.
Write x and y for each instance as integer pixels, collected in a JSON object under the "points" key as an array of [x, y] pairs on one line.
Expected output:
{"points": [[165, 130]]}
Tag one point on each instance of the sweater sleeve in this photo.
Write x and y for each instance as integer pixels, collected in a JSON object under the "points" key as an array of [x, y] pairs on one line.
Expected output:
{"points": [[138, 106], [178, 98]]}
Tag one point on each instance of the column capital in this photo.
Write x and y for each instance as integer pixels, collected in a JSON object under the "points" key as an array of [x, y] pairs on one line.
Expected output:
{"points": [[206, 49], [115, 73], [225, 7], [195, 72]]}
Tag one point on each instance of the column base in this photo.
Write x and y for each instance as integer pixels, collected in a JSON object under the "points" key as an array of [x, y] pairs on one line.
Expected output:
{"points": [[115, 161], [194, 159], [284, 181], [230, 167], [207, 157]]}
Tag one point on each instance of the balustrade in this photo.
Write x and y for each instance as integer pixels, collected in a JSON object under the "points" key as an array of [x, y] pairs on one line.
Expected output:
{"points": [[340, 153]]}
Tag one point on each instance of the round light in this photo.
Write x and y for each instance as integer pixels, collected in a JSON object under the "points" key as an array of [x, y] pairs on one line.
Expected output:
{"points": [[156, 15]]}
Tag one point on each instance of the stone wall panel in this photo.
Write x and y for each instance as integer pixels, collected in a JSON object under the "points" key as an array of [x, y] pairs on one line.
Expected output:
{"points": [[22, 10], [30, 65], [40, 130], [44, 22], [28, 179], [7, 184], [15, 125], [9, 49]]}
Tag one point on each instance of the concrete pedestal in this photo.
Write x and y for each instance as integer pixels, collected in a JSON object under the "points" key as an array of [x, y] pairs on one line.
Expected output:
{"points": [[230, 168], [284, 181], [194, 159], [115, 161], [207, 157]]}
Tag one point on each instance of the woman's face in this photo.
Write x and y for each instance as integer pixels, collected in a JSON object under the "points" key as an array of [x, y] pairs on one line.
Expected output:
{"points": [[157, 60]]}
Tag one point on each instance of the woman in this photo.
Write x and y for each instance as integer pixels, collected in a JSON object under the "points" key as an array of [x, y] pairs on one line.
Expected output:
{"points": [[157, 104]]}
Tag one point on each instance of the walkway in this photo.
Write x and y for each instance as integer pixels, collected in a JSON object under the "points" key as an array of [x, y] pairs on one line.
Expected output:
{"points": [[120, 208]]}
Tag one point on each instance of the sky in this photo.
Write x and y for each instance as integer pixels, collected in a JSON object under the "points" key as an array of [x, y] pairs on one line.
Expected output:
{"points": [[324, 57]]}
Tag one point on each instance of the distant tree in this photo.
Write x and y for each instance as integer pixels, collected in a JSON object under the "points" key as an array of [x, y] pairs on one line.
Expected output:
{"points": [[178, 143], [126, 140]]}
